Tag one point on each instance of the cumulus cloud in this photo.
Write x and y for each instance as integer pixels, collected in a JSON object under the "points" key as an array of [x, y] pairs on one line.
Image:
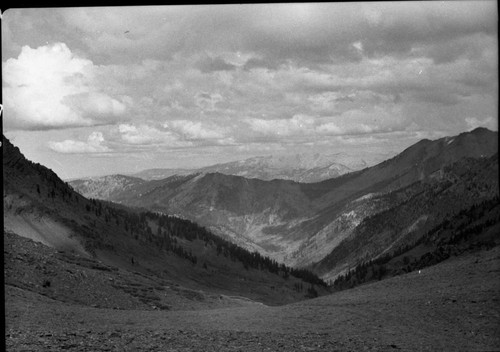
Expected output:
{"points": [[50, 87], [95, 105], [270, 74], [94, 144]]}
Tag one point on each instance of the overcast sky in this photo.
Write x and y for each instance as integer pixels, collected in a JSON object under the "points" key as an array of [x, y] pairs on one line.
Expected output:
{"points": [[92, 91]]}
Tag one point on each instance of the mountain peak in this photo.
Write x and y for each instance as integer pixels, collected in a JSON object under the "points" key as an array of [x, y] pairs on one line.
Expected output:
{"points": [[480, 130]]}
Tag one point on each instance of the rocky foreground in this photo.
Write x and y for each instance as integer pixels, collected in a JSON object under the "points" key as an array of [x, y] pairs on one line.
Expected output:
{"points": [[453, 306]]}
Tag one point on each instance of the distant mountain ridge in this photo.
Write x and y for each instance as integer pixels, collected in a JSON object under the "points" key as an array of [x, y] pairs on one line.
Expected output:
{"points": [[302, 223], [305, 167]]}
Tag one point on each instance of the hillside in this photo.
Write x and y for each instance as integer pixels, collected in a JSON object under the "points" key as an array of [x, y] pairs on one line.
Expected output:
{"points": [[105, 187], [103, 237], [302, 223], [405, 214], [234, 207], [469, 231]]}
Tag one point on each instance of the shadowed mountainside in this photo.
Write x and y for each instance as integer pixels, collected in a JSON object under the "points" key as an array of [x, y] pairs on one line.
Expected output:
{"points": [[111, 238]]}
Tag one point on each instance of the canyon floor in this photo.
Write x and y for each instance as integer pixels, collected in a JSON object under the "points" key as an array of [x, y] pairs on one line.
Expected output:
{"points": [[453, 306]]}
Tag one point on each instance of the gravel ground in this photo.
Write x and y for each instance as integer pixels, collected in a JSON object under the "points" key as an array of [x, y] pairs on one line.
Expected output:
{"points": [[453, 306]]}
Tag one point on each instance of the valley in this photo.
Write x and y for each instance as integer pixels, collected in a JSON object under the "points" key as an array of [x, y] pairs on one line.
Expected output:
{"points": [[248, 177], [414, 254], [41, 207], [302, 224]]}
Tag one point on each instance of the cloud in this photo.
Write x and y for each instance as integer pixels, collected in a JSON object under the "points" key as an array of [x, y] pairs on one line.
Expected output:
{"points": [[488, 122], [50, 87], [196, 130], [209, 64], [255, 62], [228, 141], [146, 135], [402, 27], [140, 135], [207, 101], [305, 33], [270, 74], [435, 96], [94, 144], [350, 122], [298, 124], [94, 104]]}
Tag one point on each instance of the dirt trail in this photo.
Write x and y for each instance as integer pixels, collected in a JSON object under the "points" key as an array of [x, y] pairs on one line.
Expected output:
{"points": [[454, 306]]}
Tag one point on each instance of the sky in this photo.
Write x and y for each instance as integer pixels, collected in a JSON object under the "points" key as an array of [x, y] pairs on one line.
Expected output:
{"points": [[103, 90]]}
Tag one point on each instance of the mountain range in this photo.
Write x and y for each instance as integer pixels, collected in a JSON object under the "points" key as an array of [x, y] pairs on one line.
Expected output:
{"points": [[332, 225], [92, 274], [303, 167]]}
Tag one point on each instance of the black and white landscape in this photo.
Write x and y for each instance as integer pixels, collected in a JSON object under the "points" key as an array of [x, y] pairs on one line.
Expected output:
{"points": [[260, 177]]}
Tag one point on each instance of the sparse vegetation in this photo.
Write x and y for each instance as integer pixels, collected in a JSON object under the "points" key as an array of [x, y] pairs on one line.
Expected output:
{"points": [[416, 209], [126, 232], [469, 230]]}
